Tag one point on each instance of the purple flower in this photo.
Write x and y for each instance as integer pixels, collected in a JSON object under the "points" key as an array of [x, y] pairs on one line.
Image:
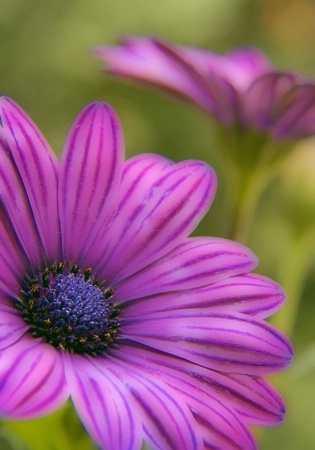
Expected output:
{"points": [[241, 89], [105, 298]]}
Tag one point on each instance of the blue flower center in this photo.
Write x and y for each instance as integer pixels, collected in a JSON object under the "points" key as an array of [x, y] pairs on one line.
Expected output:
{"points": [[70, 310]]}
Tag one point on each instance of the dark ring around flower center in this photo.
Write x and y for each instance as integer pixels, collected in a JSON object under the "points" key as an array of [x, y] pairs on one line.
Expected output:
{"points": [[69, 309]]}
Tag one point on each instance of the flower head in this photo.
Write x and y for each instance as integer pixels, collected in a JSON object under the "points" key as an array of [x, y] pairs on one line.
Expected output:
{"points": [[105, 299], [240, 89]]}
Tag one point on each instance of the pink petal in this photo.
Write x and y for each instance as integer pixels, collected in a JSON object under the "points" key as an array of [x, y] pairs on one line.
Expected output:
{"points": [[296, 113], [15, 207], [28, 182], [221, 428], [13, 262], [242, 66], [263, 101], [228, 76], [252, 397], [214, 82], [144, 59], [194, 263], [158, 207], [221, 98], [90, 173], [251, 294], [142, 169], [167, 422], [229, 343], [32, 382], [259, 403], [12, 326], [103, 403]]}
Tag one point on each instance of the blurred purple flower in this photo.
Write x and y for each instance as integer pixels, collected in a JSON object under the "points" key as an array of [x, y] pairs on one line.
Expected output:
{"points": [[105, 299], [241, 89]]}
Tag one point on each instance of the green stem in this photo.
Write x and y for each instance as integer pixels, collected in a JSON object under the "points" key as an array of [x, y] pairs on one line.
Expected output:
{"points": [[251, 161], [247, 192]]}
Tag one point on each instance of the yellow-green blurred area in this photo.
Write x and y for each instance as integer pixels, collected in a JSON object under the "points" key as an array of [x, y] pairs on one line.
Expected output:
{"points": [[46, 66]]}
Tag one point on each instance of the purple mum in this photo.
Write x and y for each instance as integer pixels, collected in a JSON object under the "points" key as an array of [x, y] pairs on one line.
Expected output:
{"points": [[241, 89], [105, 298]]}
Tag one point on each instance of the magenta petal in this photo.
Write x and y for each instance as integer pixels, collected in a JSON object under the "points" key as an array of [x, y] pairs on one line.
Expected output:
{"points": [[152, 61], [32, 382], [258, 402], [13, 260], [90, 173], [252, 397], [140, 170], [229, 343], [250, 294], [221, 428], [195, 263], [103, 403], [240, 67], [160, 207], [220, 96], [241, 89], [283, 104], [296, 113], [12, 327], [244, 65], [174, 69], [167, 421], [263, 101], [28, 180], [15, 208], [214, 82]]}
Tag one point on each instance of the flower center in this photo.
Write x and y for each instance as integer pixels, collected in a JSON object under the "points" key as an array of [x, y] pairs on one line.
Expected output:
{"points": [[70, 310]]}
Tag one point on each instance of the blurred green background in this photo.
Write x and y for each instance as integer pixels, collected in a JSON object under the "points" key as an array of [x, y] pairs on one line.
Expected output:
{"points": [[46, 67]]}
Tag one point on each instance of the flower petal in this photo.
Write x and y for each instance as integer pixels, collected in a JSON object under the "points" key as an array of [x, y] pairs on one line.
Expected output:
{"points": [[15, 208], [103, 403], [214, 82], [250, 294], [28, 182], [159, 64], [32, 382], [296, 113], [157, 206], [229, 343], [221, 428], [13, 262], [12, 327], [263, 101], [258, 402], [221, 98], [240, 66], [143, 169], [252, 397], [90, 172], [194, 263], [167, 422]]}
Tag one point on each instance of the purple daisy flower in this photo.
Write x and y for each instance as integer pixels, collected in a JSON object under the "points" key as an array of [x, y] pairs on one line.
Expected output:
{"points": [[105, 298], [240, 89]]}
